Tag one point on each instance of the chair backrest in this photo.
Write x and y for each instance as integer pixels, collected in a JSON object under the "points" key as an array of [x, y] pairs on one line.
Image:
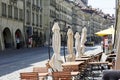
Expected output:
{"points": [[29, 76], [61, 75], [103, 57], [100, 56], [40, 69], [96, 58]]}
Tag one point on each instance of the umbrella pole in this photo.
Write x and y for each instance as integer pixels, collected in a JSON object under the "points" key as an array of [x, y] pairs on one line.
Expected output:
{"points": [[49, 43], [65, 42], [64, 52], [49, 51]]}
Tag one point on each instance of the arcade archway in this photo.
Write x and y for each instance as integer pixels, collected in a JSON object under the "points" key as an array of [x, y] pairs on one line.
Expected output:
{"points": [[7, 38]]}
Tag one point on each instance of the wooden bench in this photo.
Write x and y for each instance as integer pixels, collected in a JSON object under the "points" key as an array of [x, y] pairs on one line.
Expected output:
{"points": [[42, 72], [62, 75], [29, 76]]}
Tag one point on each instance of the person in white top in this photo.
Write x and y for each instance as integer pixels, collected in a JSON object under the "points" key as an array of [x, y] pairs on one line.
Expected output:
{"points": [[18, 43]]}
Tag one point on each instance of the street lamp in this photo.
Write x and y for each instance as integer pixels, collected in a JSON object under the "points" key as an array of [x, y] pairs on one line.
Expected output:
{"points": [[47, 29]]}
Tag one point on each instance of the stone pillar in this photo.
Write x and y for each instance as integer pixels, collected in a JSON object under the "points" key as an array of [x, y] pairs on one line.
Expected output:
{"points": [[117, 62]]}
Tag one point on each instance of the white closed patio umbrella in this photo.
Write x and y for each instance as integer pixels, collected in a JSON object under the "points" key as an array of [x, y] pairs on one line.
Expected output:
{"points": [[83, 40], [77, 45], [71, 55], [56, 60]]}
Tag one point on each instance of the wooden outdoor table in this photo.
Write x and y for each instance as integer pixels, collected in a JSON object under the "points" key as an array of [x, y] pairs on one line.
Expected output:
{"points": [[65, 75], [75, 73], [72, 66], [85, 56], [43, 74], [86, 60]]}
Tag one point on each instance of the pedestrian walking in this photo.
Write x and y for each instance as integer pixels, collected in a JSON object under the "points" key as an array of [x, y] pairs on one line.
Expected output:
{"points": [[30, 42], [18, 43]]}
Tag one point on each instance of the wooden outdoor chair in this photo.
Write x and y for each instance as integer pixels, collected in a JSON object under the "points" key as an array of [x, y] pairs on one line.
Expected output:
{"points": [[98, 57], [111, 57], [42, 71], [99, 63], [29, 76]]}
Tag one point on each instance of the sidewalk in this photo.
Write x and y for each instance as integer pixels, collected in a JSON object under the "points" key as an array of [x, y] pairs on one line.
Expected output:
{"points": [[16, 74], [93, 50]]}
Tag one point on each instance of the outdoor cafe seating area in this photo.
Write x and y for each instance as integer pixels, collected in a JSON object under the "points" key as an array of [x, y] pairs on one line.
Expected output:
{"points": [[84, 68], [77, 67]]}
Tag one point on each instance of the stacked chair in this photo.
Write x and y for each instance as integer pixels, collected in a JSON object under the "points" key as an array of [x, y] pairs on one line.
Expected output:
{"points": [[96, 67], [91, 69], [42, 71], [39, 73]]}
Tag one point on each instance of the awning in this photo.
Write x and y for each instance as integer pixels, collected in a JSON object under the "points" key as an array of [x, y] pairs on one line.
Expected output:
{"points": [[109, 31]]}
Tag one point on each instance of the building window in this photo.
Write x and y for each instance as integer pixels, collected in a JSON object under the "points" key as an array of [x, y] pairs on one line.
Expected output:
{"points": [[20, 14], [36, 19], [40, 20], [15, 13], [33, 19], [41, 3], [37, 2], [9, 11], [28, 3], [52, 13], [4, 9], [28, 16], [33, 1], [52, 3]]}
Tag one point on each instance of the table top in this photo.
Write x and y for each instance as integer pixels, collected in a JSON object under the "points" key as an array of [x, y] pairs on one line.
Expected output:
{"points": [[82, 59], [75, 73], [72, 63], [42, 74], [94, 63], [85, 56]]}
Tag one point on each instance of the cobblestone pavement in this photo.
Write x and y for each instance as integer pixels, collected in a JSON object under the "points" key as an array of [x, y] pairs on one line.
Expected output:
{"points": [[14, 75]]}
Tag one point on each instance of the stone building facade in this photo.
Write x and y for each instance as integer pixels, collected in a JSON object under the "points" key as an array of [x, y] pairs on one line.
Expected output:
{"points": [[31, 21], [11, 23], [56, 10]]}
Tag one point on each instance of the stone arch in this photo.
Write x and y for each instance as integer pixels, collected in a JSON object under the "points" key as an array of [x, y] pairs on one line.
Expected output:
{"points": [[7, 38], [18, 35]]}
